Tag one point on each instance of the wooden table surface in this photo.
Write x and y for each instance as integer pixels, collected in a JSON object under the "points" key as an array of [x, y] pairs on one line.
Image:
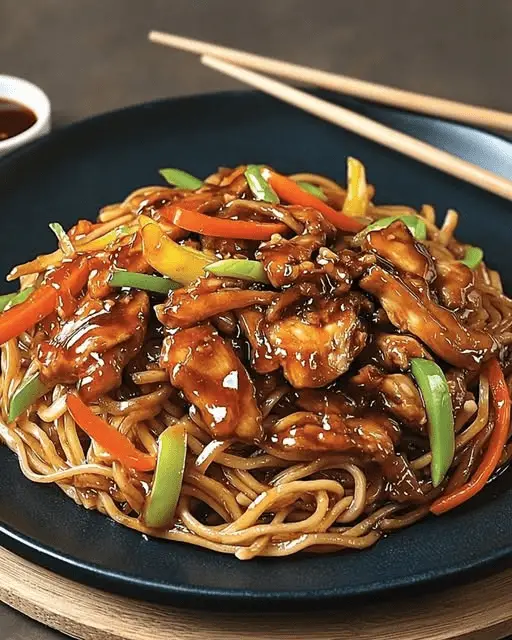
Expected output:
{"points": [[92, 56]]}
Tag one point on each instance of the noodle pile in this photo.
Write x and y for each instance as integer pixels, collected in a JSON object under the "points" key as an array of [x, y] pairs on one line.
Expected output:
{"points": [[237, 497]]}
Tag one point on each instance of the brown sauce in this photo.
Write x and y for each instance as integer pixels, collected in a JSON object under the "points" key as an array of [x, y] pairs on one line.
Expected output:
{"points": [[15, 118]]}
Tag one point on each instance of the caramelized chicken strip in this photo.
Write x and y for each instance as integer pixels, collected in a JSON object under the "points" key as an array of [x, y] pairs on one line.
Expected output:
{"points": [[287, 260], [212, 378], [396, 244], [331, 433], [409, 306], [94, 345], [207, 297], [316, 342], [263, 359], [457, 384], [396, 391], [394, 352], [455, 286], [323, 401]]}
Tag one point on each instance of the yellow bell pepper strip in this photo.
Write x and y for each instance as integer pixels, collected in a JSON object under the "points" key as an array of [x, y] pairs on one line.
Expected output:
{"points": [[25, 396], [473, 257], [108, 437], [415, 225], [182, 264], [142, 281], [70, 277], [12, 299], [497, 442], [220, 227], [64, 240], [291, 192], [261, 190], [312, 189], [165, 491], [441, 431], [104, 241], [181, 179], [356, 201], [251, 270]]}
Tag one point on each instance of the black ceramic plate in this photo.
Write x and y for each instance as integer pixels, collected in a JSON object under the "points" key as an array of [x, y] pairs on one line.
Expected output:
{"points": [[73, 172]]}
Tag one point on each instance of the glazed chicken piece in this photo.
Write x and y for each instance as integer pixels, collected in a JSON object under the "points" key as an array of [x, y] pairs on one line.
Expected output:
{"points": [[94, 345], [409, 306], [317, 340], [325, 401], [287, 260], [397, 246], [205, 368], [252, 322], [397, 392], [394, 352], [371, 435], [207, 297], [455, 285]]}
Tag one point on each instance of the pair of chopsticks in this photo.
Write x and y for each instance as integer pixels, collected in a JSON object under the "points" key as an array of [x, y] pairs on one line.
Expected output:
{"points": [[234, 63]]}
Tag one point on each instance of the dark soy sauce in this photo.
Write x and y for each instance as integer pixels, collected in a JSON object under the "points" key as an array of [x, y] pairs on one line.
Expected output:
{"points": [[14, 118]]}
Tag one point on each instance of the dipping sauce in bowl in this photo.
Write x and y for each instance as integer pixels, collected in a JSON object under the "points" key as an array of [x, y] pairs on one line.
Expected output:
{"points": [[15, 118]]}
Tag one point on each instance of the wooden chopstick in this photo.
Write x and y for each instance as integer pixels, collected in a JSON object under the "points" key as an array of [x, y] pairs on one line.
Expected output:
{"points": [[368, 128], [370, 91]]}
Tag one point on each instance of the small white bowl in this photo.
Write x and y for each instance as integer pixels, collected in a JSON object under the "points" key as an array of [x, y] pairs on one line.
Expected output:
{"points": [[36, 100]]}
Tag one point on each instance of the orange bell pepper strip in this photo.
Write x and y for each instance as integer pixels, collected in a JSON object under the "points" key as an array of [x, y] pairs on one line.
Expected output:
{"points": [[220, 227], [109, 438], [70, 278], [291, 192], [497, 442]]}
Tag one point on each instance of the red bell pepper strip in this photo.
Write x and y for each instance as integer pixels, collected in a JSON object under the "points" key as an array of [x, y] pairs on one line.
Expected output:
{"points": [[497, 442], [220, 227], [71, 277], [290, 191], [114, 442]]}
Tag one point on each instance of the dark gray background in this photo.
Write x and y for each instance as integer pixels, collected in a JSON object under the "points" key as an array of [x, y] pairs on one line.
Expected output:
{"points": [[92, 56]]}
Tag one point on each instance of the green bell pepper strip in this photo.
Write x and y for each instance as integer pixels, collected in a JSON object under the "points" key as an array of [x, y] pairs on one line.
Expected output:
{"points": [[260, 188], [312, 189], [25, 395], [244, 269], [473, 257], [181, 179], [170, 466], [142, 281], [436, 396], [12, 299], [415, 225], [62, 237]]}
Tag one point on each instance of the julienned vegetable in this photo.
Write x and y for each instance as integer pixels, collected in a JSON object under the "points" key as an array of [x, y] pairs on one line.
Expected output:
{"points": [[181, 179], [64, 241], [98, 244], [12, 299], [25, 395], [356, 201], [473, 257], [244, 269], [291, 192], [220, 227], [182, 264], [142, 281], [415, 225], [108, 437], [260, 188], [497, 442], [312, 189], [436, 396], [68, 279], [170, 465]]}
